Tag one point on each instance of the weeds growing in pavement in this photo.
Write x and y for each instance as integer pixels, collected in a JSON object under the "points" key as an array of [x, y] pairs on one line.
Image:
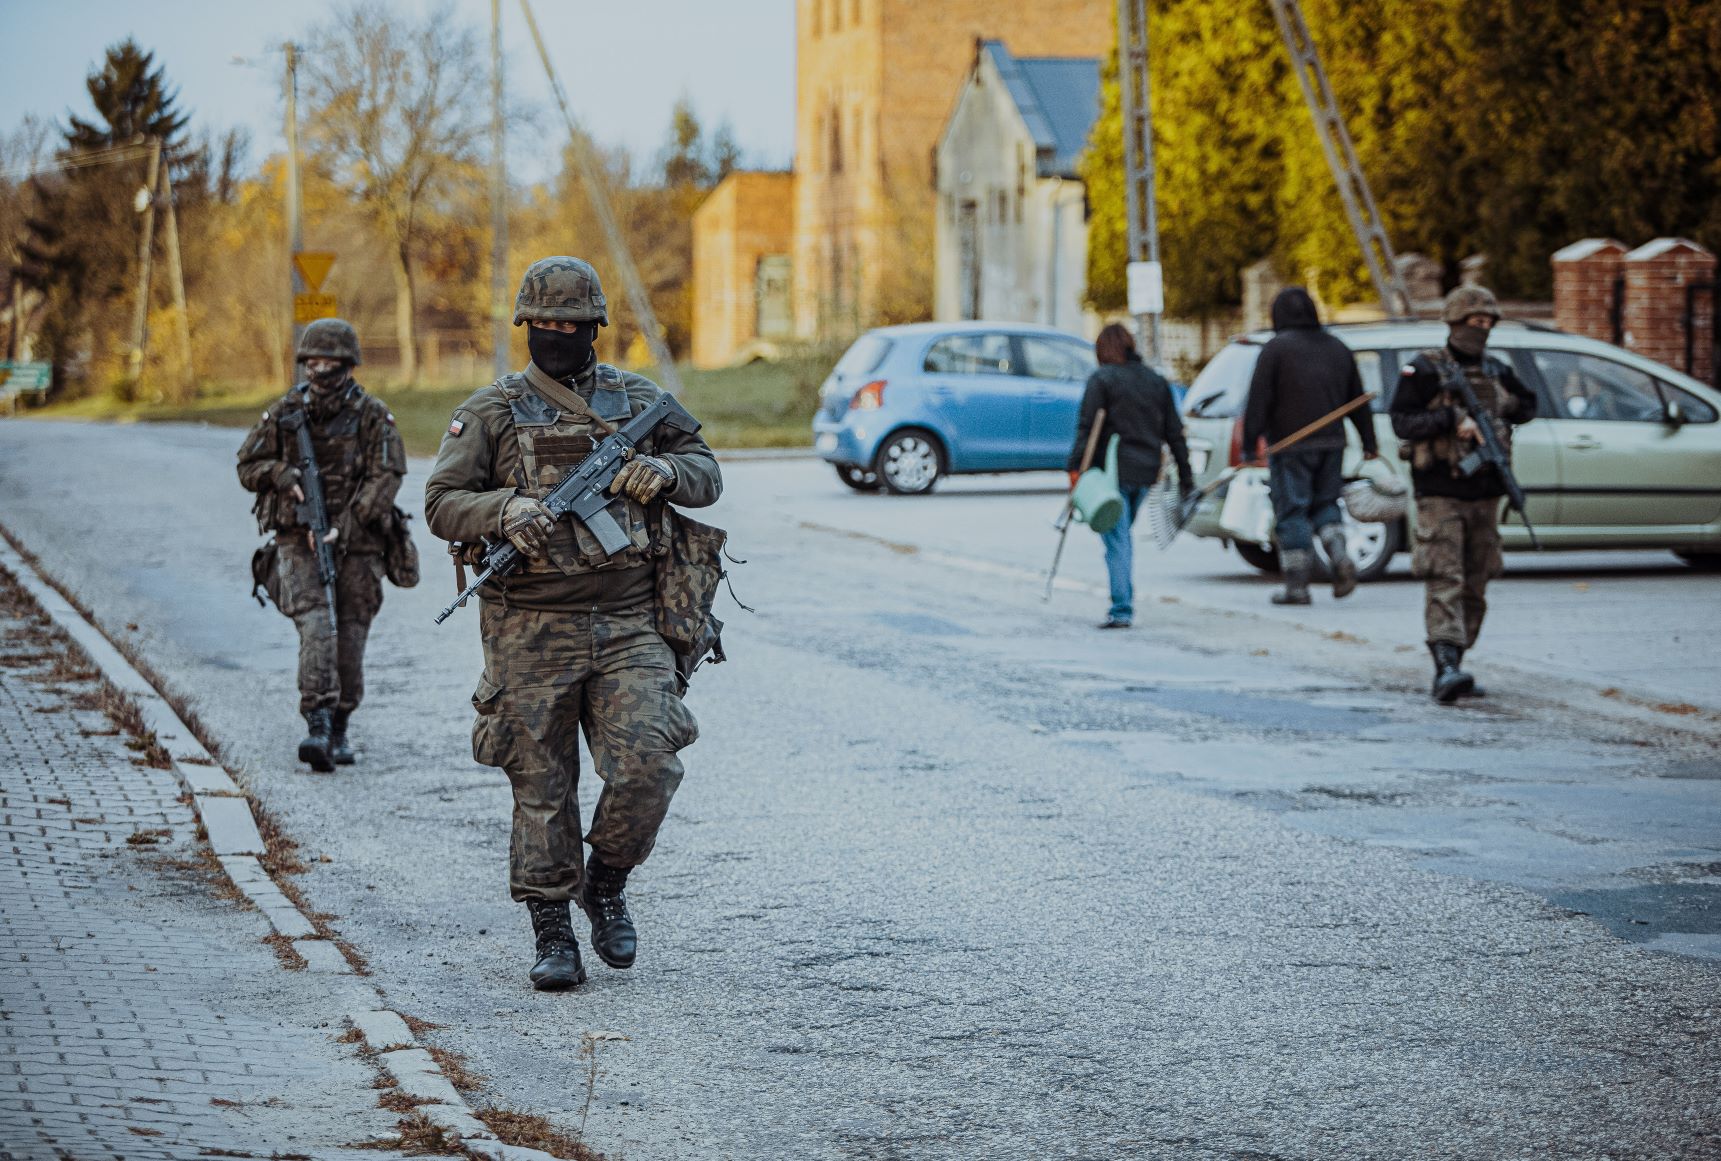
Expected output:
{"points": [[530, 1131], [589, 1043]]}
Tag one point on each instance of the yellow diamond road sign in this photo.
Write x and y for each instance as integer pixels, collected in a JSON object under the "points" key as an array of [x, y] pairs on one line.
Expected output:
{"points": [[313, 267], [311, 307]]}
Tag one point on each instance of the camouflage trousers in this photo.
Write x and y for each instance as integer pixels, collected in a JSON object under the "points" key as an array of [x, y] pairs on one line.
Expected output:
{"points": [[331, 662], [548, 675], [1457, 553]]}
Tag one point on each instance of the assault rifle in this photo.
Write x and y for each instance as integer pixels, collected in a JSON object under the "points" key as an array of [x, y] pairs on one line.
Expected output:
{"points": [[584, 493], [313, 511], [1490, 452]]}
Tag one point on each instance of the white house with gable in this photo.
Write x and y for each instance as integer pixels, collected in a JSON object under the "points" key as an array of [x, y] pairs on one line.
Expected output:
{"points": [[1012, 233]]}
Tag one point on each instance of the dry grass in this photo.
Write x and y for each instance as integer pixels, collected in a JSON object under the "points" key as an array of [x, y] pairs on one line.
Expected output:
{"points": [[530, 1131], [286, 952], [281, 852], [1681, 709], [418, 1138], [419, 1027], [148, 837], [454, 1067], [396, 1101]]}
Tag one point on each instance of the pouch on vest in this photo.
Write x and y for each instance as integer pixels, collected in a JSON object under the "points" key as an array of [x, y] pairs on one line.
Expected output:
{"points": [[688, 575], [399, 553], [263, 574]]}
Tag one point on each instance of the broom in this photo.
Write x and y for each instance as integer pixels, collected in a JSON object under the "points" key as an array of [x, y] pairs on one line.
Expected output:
{"points": [[1168, 514]]}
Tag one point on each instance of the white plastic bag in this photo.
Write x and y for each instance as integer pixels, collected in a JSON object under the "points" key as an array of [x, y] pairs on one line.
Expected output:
{"points": [[1248, 511]]}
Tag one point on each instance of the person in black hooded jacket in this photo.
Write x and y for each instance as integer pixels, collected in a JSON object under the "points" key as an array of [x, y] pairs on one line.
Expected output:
{"points": [[1141, 411], [1303, 374]]}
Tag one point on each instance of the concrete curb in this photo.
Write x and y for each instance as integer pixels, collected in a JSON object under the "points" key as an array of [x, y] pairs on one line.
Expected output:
{"points": [[417, 1074], [224, 811]]}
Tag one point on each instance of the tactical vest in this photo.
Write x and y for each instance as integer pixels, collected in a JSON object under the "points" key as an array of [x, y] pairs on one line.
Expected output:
{"points": [[551, 442], [340, 455], [1447, 449]]}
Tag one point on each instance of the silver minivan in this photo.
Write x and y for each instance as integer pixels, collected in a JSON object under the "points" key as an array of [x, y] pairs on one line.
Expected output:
{"points": [[1625, 452]]}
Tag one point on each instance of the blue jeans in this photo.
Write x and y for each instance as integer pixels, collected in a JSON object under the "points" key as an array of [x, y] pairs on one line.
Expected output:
{"points": [[1120, 556], [1305, 484]]}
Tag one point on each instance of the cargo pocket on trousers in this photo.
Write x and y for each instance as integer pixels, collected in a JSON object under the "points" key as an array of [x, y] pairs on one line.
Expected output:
{"points": [[1425, 551], [490, 731]]}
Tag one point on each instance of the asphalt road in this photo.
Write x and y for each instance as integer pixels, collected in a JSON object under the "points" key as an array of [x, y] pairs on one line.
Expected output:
{"points": [[955, 875]]}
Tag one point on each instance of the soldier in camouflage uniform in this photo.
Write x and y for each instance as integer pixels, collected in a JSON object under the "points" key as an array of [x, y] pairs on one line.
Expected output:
{"points": [[1457, 547], [361, 459], [571, 642]]}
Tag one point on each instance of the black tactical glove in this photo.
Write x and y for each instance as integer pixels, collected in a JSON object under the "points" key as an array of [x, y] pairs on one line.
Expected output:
{"points": [[642, 478], [527, 524]]}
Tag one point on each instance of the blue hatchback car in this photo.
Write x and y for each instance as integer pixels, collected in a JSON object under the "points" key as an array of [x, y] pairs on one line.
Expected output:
{"points": [[907, 405]]}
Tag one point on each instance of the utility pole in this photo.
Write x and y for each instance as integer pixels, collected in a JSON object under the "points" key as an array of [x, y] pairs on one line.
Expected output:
{"points": [[592, 176], [295, 229], [498, 202], [145, 255], [1146, 282], [1353, 186], [176, 275]]}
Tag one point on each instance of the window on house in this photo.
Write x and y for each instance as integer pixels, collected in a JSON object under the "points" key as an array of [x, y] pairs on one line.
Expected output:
{"points": [[834, 147], [836, 15], [855, 12], [818, 21], [1021, 179]]}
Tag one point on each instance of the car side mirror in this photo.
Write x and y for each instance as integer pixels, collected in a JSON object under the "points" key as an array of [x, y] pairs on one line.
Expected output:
{"points": [[1674, 414]]}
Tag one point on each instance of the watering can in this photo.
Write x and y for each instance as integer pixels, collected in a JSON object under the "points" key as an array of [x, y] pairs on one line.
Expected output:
{"points": [[1096, 500]]}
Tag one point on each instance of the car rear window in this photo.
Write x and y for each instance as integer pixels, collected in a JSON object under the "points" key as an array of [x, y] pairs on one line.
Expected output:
{"points": [[1222, 388], [863, 356]]}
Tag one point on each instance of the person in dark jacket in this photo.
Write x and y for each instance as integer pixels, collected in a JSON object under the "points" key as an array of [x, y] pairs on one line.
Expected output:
{"points": [[1457, 547], [1303, 374], [1141, 412]]}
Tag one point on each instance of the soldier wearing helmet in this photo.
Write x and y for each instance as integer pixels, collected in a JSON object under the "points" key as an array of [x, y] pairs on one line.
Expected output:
{"points": [[1457, 548], [571, 643], [361, 460]]}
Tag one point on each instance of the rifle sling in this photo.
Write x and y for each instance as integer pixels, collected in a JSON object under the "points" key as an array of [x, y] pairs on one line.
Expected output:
{"points": [[565, 398]]}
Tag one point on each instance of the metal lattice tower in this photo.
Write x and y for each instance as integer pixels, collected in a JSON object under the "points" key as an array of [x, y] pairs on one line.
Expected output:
{"points": [[1140, 205], [1341, 158]]}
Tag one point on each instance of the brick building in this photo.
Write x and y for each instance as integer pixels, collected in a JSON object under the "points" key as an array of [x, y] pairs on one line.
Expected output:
{"points": [[875, 83], [742, 269]]}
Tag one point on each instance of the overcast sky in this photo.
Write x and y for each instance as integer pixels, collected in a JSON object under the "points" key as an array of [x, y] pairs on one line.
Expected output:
{"points": [[623, 62]]}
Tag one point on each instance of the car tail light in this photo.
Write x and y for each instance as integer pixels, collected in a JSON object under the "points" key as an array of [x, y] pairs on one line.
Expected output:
{"points": [[868, 398], [1236, 452]]}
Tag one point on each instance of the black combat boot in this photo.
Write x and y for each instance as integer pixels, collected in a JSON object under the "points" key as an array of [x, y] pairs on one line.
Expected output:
{"points": [[315, 749], [338, 748], [1475, 689], [558, 963], [1339, 562], [614, 937], [1296, 564], [1450, 682]]}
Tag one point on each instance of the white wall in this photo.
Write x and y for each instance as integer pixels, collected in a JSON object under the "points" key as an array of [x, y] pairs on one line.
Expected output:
{"points": [[1033, 262]]}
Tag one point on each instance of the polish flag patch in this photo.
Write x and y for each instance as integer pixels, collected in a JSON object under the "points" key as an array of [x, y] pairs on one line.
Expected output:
{"points": [[458, 426]]}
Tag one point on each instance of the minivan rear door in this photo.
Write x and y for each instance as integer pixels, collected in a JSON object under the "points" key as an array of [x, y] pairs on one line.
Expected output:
{"points": [[972, 386]]}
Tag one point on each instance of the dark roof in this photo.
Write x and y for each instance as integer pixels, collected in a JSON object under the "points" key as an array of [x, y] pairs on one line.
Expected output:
{"points": [[1059, 99]]}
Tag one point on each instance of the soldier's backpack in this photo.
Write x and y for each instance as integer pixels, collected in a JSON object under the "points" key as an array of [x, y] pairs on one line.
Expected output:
{"points": [[688, 575]]}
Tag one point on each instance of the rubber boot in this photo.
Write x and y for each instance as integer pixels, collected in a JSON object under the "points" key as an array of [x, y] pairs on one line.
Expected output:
{"points": [[339, 750], [1339, 563], [558, 965], [614, 937], [1450, 682], [1296, 564], [315, 749], [1475, 689]]}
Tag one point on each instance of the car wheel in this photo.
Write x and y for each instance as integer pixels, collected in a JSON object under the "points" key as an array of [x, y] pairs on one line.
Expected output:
{"points": [[859, 478], [1707, 561], [909, 463], [1371, 547], [1265, 559]]}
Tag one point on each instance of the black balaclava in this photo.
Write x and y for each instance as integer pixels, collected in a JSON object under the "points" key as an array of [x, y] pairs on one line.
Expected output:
{"points": [[561, 354], [329, 380], [1468, 340]]}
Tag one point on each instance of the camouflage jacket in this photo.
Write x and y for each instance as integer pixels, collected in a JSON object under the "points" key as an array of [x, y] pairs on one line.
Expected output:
{"points": [[359, 453], [508, 440], [1426, 414]]}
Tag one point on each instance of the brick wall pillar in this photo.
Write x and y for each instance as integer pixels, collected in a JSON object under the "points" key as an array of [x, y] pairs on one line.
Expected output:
{"points": [[1658, 276], [1586, 280]]}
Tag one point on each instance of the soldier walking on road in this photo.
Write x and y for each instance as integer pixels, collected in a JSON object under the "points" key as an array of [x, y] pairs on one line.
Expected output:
{"points": [[360, 459], [1303, 374], [572, 641], [1457, 548]]}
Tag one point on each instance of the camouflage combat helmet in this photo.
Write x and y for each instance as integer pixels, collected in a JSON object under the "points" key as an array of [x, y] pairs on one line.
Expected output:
{"points": [[561, 289], [1465, 301], [329, 338]]}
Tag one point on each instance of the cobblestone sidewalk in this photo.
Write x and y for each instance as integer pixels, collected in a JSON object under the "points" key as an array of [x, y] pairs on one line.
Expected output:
{"points": [[141, 1013]]}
